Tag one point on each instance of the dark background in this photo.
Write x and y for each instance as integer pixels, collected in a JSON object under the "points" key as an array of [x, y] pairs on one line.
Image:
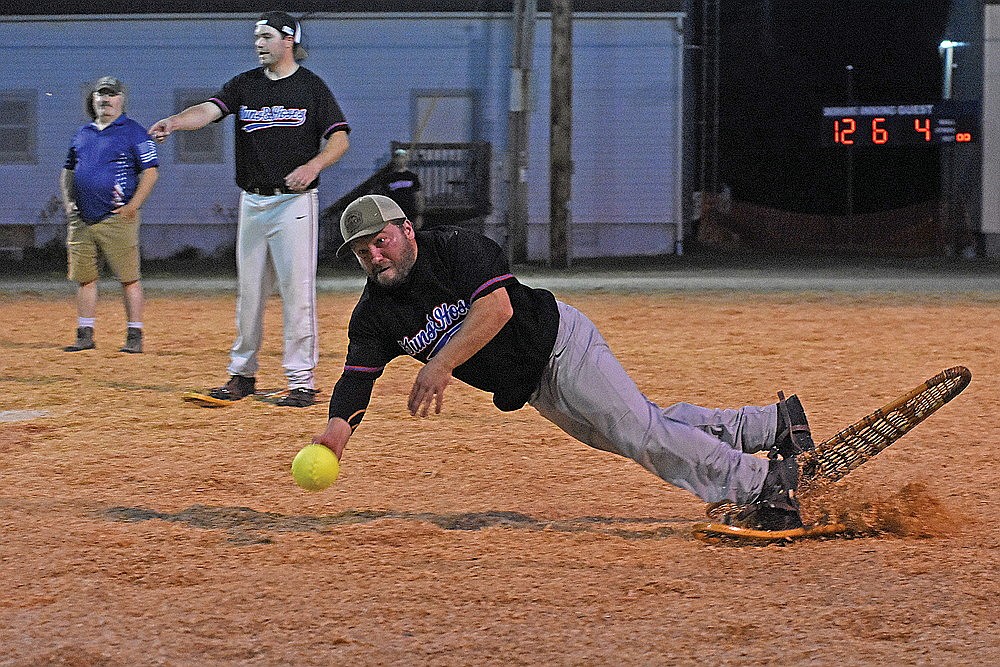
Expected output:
{"points": [[781, 61]]}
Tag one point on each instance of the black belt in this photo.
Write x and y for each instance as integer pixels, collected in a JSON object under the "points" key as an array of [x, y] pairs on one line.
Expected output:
{"points": [[272, 191]]}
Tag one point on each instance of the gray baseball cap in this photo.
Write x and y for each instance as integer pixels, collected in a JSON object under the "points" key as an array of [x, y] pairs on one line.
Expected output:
{"points": [[365, 216], [108, 83]]}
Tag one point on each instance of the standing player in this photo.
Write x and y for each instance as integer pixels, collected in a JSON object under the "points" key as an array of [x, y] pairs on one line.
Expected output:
{"points": [[283, 114], [402, 185], [446, 297], [110, 171]]}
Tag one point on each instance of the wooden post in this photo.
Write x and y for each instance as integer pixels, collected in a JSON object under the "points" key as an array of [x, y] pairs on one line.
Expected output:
{"points": [[561, 133], [525, 12]]}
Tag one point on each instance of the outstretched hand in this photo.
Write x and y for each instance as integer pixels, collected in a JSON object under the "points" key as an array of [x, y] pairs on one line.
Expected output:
{"points": [[429, 388], [160, 130]]}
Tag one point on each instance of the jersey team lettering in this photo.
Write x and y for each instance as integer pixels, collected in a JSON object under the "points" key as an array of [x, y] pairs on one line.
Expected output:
{"points": [[442, 318], [276, 116]]}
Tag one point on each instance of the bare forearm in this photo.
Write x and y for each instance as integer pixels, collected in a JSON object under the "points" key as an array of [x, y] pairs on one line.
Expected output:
{"points": [[332, 151], [196, 117], [303, 175], [66, 188], [192, 118], [147, 179], [336, 435], [486, 318]]}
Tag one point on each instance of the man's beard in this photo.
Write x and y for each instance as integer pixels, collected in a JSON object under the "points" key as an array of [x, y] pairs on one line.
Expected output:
{"points": [[402, 270]]}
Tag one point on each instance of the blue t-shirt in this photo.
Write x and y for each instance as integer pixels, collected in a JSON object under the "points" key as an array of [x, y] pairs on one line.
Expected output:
{"points": [[106, 165]]}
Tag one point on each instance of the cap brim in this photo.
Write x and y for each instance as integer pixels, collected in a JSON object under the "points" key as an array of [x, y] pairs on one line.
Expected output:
{"points": [[345, 247]]}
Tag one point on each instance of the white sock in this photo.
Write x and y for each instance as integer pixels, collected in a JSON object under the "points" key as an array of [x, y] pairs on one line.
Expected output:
{"points": [[135, 325], [85, 322]]}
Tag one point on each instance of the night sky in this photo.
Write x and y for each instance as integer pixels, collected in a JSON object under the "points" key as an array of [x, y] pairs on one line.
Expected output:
{"points": [[783, 60]]}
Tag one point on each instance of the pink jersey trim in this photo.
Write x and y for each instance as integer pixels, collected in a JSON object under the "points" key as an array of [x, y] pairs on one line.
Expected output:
{"points": [[489, 283], [221, 105], [335, 127], [364, 369]]}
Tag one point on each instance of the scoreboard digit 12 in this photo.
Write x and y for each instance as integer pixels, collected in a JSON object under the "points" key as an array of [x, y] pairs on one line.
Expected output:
{"points": [[888, 125]]}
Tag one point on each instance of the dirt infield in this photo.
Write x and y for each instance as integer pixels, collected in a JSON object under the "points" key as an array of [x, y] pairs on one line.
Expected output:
{"points": [[136, 529]]}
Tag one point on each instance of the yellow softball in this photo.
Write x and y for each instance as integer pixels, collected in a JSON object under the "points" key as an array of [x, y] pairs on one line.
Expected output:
{"points": [[315, 467]]}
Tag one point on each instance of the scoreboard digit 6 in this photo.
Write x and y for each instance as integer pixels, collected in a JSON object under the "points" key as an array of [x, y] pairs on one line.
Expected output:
{"points": [[950, 122]]}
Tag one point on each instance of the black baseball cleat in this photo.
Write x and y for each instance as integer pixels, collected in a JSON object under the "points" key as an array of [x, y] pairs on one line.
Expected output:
{"points": [[300, 397], [238, 387], [84, 340], [776, 507], [792, 434]]}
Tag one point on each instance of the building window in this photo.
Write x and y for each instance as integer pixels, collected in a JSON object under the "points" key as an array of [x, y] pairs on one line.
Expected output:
{"points": [[444, 115], [202, 146], [18, 126]]}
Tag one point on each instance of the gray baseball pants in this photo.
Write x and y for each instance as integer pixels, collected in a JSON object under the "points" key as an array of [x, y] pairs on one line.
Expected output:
{"points": [[586, 392]]}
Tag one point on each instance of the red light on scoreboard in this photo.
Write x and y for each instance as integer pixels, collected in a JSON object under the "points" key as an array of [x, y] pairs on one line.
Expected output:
{"points": [[878, 131], [870, 126], [879, 134], [842, 131]]}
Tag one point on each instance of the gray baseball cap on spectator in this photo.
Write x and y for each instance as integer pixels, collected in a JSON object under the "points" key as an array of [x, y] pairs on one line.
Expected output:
{"points": [[366, 215], [109, 83]]}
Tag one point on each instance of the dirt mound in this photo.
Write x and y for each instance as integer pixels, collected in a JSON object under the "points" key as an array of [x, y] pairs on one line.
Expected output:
{"points": [[910, 512]]}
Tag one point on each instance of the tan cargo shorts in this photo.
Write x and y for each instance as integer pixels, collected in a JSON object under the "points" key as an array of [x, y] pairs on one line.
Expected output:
{"points": [[115, 238]]}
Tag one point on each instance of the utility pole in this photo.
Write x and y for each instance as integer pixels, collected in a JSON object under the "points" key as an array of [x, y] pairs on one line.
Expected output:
{"points": [[561, 133], [953, 226], [518, 116], [849, 157]]}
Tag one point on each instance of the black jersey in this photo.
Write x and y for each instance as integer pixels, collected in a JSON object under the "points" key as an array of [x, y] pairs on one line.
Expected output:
{"points": [[280, 124], [454, 267]]}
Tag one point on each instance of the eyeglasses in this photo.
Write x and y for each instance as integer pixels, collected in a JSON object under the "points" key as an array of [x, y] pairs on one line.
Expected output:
{"points": [[107, 93]]}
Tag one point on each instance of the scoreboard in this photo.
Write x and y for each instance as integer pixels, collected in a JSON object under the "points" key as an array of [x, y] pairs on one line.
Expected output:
{"points": [[887, 125]]}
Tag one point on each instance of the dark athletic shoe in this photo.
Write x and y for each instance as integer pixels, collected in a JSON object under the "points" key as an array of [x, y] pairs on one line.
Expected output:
{"points": [[238, 387], [793, 434], [299, 397], [133, 341], [84, 340], [776, 508]]}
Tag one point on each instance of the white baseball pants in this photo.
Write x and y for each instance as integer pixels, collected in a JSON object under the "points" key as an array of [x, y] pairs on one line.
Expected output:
{"points": [[276, 245]]}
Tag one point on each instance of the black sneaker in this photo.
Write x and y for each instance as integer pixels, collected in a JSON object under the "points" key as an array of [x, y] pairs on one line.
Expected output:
{"points": [[238, 387], [300, 397], [776, 508], [793, 434], [84, 340], [133, 341]]}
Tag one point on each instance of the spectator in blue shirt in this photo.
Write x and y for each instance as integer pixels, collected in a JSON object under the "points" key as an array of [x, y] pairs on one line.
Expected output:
{"points": [[109, 173]]}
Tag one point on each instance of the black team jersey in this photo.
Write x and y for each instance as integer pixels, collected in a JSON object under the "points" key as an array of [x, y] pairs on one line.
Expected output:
{"points": [[454, 267], [279, 124]]}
